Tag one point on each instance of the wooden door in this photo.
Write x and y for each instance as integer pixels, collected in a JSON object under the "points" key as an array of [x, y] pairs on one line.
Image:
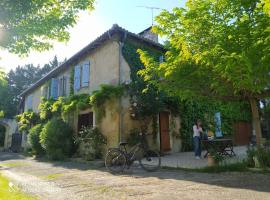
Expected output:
{"points": [[164, 132]]}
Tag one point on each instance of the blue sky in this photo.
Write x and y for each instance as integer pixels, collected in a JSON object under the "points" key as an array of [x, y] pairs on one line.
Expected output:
{"points": [[125, 13]]}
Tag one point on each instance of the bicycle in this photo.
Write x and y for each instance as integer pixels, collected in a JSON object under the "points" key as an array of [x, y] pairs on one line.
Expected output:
{"points": [[117, 159]]}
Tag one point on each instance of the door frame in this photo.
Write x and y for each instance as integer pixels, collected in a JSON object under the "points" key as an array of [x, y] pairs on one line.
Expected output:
{"points": [[160, 137]]}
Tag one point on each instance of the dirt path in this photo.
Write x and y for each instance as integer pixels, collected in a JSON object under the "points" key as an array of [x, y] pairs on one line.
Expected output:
{"points": [[70, 180]]}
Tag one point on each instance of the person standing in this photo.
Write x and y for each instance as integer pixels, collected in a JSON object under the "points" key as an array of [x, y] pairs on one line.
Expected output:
{"points": [[197, 131]]}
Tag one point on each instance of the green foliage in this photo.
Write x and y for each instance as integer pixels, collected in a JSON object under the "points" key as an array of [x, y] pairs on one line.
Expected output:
{"points": [[21, 78], [216, 49], [26, 120], [5, 97], [45, 108], [90, 142], [205, 109], [33, 25], [232, 167], [261, 155], [99, 97], [57, 139], [34, 139], [2, 135], [71, 81], [146, 100], [2, 113]]}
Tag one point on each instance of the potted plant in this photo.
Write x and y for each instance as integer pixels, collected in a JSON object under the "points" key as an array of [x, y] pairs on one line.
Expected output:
{"points": [[214, 158]]}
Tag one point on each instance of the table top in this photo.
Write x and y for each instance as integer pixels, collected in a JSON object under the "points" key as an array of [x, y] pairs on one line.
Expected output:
{"points": [[218, 140]]}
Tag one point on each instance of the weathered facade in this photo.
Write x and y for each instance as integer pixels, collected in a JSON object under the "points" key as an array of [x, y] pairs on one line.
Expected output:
{"points": [[102, 62]]}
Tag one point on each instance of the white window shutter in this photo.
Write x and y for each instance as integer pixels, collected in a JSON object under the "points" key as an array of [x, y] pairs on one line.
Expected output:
{"points": [[85, 74]]}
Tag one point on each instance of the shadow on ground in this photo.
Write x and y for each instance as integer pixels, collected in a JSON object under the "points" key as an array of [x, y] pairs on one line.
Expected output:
{"points": [[238, 180]]}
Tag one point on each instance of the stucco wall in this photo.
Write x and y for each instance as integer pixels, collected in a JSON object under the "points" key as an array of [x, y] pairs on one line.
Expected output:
{"points": [[104, 69], [104, 66]]}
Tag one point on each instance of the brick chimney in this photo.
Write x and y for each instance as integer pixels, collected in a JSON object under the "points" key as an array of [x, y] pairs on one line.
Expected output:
{"points": [[147, 33]]}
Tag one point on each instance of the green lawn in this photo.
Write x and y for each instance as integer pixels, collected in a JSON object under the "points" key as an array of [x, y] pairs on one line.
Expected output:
{"points": [[14, 193]]}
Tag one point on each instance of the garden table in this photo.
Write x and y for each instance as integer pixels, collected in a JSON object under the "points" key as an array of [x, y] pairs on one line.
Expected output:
{"points": [[223, 147]]}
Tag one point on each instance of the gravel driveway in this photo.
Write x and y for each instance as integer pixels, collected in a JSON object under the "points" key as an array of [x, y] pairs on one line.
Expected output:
{"points": [[69, 180]]}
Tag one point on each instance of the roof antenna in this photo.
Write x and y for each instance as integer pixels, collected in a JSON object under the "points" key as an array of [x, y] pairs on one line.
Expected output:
{"points": [[152, 9]]}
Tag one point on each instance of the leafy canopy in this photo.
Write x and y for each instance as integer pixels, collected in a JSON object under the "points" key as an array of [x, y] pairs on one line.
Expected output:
{"points": [[216, 48], [32, 24]]}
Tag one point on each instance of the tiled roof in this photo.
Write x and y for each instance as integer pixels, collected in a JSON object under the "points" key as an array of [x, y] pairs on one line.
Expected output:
{"points": [[93, 45]]}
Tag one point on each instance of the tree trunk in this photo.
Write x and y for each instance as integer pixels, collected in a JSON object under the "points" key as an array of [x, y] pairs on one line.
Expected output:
{"points": [[256, 121]]}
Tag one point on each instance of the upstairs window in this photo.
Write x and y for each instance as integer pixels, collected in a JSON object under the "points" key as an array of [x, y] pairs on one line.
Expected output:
{"points": [[81, 75], [62, 86], [54, 88], [29, 103]]}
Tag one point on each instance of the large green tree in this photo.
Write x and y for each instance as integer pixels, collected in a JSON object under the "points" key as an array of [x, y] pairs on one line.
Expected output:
{"points": [[33, 24], [21, 78], [5, 98], [218, 49]]}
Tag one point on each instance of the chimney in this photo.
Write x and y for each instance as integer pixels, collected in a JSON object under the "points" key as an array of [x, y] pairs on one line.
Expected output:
{"points": [[147, 33]]}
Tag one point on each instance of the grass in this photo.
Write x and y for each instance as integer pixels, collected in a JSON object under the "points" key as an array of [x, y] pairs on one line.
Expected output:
{"points": [[12, 193], [14, 164], [51, 176]]}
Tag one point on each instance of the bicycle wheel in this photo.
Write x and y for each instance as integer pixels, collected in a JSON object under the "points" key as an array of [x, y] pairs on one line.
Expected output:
{"points": [[150, 161], [115, 161]]}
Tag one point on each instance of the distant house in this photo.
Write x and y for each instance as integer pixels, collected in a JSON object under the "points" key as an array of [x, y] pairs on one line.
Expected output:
{"points": [[102, 62]]}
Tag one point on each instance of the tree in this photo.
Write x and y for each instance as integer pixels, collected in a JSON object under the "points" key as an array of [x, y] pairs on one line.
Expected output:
{"points": [[4, 95], [267, 6], [32, 24], [23, 77], [216, 49]]}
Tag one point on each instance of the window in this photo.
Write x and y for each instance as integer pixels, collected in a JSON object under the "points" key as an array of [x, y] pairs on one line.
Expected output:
{"points": [[85, 120], [161, 59], [81, 75], [29, 102], [54, 88], [62, 86]]}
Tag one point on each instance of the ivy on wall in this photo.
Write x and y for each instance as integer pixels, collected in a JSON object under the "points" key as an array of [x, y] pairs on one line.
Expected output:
{"points": [[191, 110], [63, 107], [145, 99], [71, 81]]}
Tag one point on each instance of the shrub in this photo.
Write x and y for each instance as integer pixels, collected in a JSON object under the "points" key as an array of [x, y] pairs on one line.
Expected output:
{"points": [[90, 142], [33, 138], [263, 156], [57, 139], [251, 152]]}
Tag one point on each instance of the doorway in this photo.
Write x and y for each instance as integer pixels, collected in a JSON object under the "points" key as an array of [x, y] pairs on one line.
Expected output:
{"points": [[165, 145]]}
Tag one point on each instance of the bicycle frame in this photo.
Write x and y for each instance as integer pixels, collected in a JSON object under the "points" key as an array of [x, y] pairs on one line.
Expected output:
{"points": [[131, 154]]}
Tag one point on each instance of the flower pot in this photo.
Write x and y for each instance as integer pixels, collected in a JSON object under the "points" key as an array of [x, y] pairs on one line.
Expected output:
{"points": [[211, 161]]}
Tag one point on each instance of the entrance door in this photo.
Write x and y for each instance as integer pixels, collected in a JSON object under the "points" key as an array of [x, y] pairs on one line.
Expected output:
{"points": [[164, 132]]}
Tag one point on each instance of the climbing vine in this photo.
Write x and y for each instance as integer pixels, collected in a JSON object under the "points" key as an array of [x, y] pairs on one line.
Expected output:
{"points": [[191, 110], [145, 99], [63, 107], [71, 81]]}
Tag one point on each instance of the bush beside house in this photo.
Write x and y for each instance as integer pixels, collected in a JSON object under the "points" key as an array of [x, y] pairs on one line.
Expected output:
{"points": [[57, 139], [34, 140]]}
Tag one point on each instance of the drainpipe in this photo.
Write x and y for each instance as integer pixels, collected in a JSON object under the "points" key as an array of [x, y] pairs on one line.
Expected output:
{"points": [[121, 126]]}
